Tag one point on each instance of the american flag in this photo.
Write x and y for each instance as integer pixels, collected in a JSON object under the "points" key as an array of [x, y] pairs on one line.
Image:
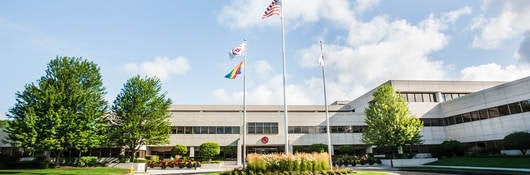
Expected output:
{"points": [[273, 9]]}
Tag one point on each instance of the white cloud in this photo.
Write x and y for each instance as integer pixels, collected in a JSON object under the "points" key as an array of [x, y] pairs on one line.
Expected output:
{"points": [[454, 15], [365, 5], [263, 68], [246, 14], [161, 67], [512, 21], [495, 72]]}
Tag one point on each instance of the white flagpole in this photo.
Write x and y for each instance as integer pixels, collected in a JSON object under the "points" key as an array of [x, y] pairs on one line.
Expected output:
{"points": [[326, 105], [286, 125], [244, 104]]}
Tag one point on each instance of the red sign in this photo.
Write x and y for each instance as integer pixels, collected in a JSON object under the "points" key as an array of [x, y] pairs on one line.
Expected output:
{"points": [[264, 140]]}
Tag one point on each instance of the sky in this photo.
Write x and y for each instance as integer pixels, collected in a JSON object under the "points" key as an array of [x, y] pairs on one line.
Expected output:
{"points": [[186, 43]]}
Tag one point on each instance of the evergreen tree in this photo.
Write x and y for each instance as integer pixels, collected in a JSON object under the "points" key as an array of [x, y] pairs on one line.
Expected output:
{"points": [[141, 112], [388, 121], [63, 110]]}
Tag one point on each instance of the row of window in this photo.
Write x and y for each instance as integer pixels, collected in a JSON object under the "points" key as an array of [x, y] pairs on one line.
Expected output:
{"points": [[205, 130], [322, 129], [452, 96], [497, 111], [262, 128], [418, 97]]}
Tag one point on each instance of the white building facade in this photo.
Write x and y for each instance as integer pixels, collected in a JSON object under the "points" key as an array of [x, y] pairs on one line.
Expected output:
{"points": [[479, 113]]}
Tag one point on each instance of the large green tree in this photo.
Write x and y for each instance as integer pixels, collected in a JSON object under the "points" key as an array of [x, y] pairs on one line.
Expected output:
{"points": [[141, 114], [389, 123], [518, 140], [63, 110]]}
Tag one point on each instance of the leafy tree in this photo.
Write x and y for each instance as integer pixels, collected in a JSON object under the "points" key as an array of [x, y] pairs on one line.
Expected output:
{"points": [[518, 140], [388, 120], [3, 123], [63, 110], [179, 150], [141, 114], [318, 147], [209, 150]]}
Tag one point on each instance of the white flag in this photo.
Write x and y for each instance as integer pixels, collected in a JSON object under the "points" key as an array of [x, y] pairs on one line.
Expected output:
{"points": [[321, 60]]}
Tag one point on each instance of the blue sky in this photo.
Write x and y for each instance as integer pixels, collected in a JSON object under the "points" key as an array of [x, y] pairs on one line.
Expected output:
{"points": [[185, 43]]}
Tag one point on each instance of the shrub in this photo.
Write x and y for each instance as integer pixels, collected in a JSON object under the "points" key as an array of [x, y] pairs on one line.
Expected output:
{"points": [[319, 148], [281, 162], [88, 161], [518, 140], [346, 149], [179, 150], [449, 148], [210, 149]]}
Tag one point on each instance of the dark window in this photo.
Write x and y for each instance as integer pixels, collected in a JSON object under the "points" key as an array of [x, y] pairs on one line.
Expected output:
{"points": [[467, 117], [235, 130], [220, 130], [180, 130], [263, 128], [483, 114], [196, 130], [174, 131], [204, 129], [322, 129], [474, 116], [458, 119], [436, 122], [515, 108], [503, 110], [493, 112], [228, 130], [526, 105]]}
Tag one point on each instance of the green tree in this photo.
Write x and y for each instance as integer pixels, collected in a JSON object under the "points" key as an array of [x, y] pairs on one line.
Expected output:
{"points": [[179, 150], [63, 110], [209, 150], [346, 149], [389, 123], [518, 140], [141, 114]]}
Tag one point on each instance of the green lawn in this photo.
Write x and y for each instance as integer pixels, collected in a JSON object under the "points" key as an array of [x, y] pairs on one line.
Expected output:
{"points": [[68, 171], [503, 162]]}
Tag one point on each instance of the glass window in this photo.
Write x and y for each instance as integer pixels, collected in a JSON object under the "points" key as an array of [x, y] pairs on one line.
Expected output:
{"points": [[267, 128], [503, 110], [196, 130], [427, 98], [180, 130], [467, 117], [174, 131], [526, 105], [493, 112], [436, 122], [418, 97], [188, 130], [483, 114], [410, 98], [204, 130], [474, 116], [322, 129], [274, 128], [235, 130], [458, 119], [515, 108], [297, 130], [220, 130], [228, 130], [447, 97]]}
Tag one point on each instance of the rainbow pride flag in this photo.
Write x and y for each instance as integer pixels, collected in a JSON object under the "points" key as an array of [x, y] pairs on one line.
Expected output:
{"points": [[237, 70]]}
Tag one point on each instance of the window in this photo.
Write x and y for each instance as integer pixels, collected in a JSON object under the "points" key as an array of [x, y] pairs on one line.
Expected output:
{"points": [[515, 108], [418, 97], [525, 105], [474, 116], [483, 114], [180, 130], [493, 112], [262, 128], [503, 110]]}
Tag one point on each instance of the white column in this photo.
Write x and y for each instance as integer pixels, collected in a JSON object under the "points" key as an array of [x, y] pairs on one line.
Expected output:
{"points": [[191, 150]]}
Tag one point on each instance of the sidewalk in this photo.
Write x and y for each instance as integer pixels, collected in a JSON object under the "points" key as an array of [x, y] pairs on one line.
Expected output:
{"points": [[206, 168], [478, 168]]}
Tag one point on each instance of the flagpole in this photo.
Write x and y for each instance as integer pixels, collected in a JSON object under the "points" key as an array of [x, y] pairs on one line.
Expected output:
{"points": [[244, 104], [326, 106], [286, 125]]}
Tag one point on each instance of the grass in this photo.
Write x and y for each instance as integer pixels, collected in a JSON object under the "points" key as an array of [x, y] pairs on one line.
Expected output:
{"points": [[461, 171], [67, 171], [502, 162]]}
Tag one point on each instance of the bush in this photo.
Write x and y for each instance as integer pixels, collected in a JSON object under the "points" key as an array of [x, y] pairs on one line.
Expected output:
{"points": [[518, 140], [281, 162], [88, 161], [210, 149], [179, 150], [346, 149], [449, 148], [319, 148]]}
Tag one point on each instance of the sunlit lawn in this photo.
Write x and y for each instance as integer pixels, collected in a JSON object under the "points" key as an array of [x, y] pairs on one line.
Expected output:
{"points": [[504, 162], [68, 171]]}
